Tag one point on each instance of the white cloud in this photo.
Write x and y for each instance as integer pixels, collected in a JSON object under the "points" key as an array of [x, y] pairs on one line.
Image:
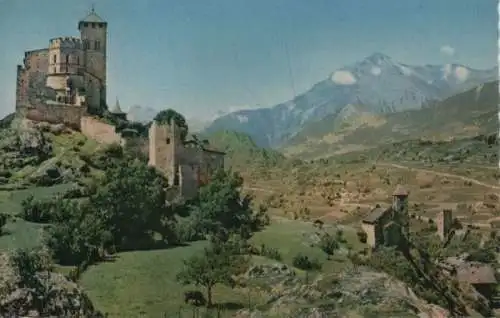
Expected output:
{"points": [[447, 50], [376, 70], [343, 78], [461, 73]]}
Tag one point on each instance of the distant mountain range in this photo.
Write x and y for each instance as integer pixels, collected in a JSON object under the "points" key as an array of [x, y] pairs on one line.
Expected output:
{"points": [[375, 85], [465, 114]]}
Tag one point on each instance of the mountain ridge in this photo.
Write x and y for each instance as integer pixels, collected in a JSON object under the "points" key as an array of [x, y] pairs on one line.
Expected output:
{"points": [[377, 82]]}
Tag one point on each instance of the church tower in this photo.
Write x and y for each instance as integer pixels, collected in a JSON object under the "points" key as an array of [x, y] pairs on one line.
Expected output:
{"points": [[400, 209], [93, 33]]}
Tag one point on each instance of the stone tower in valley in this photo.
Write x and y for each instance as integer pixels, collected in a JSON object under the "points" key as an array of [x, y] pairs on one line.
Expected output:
{"points": [[444, 223], [93, 34], [400, 209]]}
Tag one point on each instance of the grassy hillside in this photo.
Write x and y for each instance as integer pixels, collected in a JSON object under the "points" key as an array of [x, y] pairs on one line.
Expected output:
{"points": [[241, 150], [467, 114]]}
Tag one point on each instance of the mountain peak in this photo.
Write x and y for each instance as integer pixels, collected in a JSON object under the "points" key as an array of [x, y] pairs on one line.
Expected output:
{"points": [[378, 58]]}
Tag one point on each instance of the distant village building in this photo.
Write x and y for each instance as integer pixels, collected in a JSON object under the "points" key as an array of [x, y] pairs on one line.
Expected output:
{"points": [[481, 276], [388, 226]]}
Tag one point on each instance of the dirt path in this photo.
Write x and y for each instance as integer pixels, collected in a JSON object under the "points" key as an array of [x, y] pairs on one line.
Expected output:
{"points": [[443, 174]]}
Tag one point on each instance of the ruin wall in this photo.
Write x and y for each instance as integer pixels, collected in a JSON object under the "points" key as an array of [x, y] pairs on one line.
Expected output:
{"points": [[54, 114], [99, 131]]}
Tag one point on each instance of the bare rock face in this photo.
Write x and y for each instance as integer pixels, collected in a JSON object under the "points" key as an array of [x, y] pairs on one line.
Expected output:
{"points": [[30, 289], [359, 292]]}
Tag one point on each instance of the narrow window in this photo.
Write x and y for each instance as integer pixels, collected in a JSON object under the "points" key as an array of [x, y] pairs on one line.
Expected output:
{"points": [[77, 60], [55, 58], [97, 45], [168, 141], [67, 59]]}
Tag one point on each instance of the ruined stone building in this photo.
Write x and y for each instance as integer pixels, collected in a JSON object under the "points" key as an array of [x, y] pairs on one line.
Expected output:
{"points": [[186, 165], [444, 224], [388, 226], [71, 71], [65, 83]]}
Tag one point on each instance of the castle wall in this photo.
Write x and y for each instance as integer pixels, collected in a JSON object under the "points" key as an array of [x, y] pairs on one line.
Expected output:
{"points": [[36, 61], [54, 114], [99, 131], [188, 180]]}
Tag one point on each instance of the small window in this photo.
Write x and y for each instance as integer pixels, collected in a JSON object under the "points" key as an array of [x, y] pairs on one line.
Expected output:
{"points": [[168, 141], [93, 25], [67, 59], [77, 60], [55, 58], [97, 45]]}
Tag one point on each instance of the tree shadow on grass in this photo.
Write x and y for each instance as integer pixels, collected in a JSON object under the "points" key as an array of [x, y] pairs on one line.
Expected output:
{"points": [[227, 306]]}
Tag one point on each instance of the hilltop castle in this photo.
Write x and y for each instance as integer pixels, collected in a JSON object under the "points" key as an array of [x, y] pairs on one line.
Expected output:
{"points": [[72, 69], [66, 84]]}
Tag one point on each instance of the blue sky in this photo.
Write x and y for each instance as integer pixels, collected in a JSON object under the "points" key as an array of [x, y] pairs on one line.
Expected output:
{"points": [[204, 56]]}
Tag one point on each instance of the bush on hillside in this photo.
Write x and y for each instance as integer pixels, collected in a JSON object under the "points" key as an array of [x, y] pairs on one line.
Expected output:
{"points": [[3, 222], [37, 211]]}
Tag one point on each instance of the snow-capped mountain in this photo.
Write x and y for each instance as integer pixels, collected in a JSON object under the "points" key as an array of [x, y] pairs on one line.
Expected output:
{"points": [[378, 83]]}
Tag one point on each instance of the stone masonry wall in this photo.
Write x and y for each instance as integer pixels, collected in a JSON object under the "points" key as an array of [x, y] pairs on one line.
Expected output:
{"points": [[36, 61], [99, 131], [54, 114]]}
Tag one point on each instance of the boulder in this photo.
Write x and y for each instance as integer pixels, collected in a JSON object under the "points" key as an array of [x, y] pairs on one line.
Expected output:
{"points": [[41, 293]]}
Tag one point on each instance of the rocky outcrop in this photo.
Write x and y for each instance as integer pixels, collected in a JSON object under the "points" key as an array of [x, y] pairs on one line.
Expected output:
{"points": [[28, 289], [355, 292]]}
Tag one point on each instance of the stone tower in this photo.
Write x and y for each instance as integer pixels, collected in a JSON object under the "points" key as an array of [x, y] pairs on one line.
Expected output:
{"points": [[400, 209], [165, 146], [63, 73], [444, 223], [93, 34]]}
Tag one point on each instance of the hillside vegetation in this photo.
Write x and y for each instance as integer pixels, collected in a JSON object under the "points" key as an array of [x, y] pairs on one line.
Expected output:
{"points": [[241, 150], [466, 114]]}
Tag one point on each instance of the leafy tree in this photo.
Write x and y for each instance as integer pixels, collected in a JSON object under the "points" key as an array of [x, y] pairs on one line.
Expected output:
{"points": [[218, 264], [131, 199], [220, 205], [168, 116], [328, 244], [77, 233]]}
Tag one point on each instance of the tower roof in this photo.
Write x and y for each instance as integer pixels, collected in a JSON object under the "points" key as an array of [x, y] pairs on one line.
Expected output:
{"points": [[400, 191], [117, 109], [92, 17]]}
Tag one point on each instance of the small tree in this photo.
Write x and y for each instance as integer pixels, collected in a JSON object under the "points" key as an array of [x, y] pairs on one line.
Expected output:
{"points": [[304, 263], [3, 221], [328, 244], [216, 265]]}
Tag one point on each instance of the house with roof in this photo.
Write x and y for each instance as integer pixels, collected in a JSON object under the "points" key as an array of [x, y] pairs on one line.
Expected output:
{"points": [[388, 226]]}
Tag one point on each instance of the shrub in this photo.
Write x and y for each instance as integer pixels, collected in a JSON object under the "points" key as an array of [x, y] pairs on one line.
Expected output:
{"points": [[303, 262], [3, 221], [35, 210], [362, 236], [270, 252]]}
